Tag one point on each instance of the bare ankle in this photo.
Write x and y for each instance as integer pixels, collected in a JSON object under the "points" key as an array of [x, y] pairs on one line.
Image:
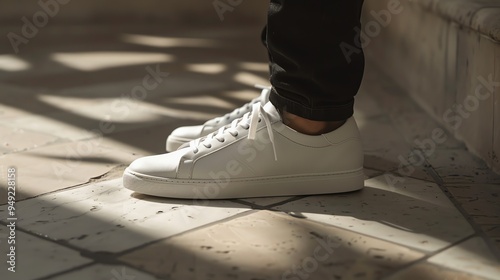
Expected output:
{"points": [[307, 126]]}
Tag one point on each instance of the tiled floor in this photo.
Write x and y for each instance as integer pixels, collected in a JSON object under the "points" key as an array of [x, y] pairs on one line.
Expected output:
{"points": [[72, 116]]}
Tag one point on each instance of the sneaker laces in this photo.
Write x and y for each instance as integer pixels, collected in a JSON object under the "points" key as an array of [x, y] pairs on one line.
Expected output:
{"points": [[243, 108], [249, 122]]}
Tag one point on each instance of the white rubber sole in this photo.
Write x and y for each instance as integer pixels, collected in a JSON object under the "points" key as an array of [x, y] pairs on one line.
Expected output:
{"points": [[244, 188]]}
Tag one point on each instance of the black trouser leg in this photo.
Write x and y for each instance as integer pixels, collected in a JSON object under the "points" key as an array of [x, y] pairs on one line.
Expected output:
{"points": [[310, 75]]}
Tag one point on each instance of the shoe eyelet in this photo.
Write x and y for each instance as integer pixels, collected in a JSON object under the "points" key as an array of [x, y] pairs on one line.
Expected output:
{"points": [[222, 141]]}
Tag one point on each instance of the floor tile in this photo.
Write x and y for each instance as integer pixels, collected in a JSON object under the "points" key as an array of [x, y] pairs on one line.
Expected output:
{"points": [[89, 121], [104, 216], [480, 201], [63, 165], [406, 211], [71, 113], [472, 256], [36, 257], [143, 141], [105, 272], [419, 170], [18, 139], [429, 271], [460, 166], [19, 101], [266, 245], [47, 110]]}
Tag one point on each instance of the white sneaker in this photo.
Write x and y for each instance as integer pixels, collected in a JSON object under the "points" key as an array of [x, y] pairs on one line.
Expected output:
{"points": [[254, 156], [184, 134]]}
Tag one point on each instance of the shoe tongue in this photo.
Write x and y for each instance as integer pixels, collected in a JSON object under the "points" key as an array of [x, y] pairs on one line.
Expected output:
{"points": [[271, 110], [264, 95]]}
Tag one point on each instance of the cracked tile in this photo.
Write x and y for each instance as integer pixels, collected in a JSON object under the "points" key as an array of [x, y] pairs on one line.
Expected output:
{"points": [[104, 216], [405, 211], [266, 245], [36, 257], [59, 166]]}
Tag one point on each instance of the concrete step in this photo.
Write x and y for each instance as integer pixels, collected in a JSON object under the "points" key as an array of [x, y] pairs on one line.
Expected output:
{"points": [[446, 55]]}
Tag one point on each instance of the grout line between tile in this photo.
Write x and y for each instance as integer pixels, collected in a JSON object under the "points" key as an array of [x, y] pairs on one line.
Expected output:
{"points": [[51, 192], [118, 263], [245, 213], [389, 241], [443, 186], [477, 229], [62, 272], [302, 217], [430, 255], [91, 180], [432, 172], [250, 204], [295, 198], [269, 206], [107, 258], [94, 256]]}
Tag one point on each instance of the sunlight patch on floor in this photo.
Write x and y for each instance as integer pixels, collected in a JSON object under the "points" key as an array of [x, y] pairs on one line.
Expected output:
{"points": [[13, 63], [93, 61], [167, 42], [255, 66], [207, 68], [250, 79]]}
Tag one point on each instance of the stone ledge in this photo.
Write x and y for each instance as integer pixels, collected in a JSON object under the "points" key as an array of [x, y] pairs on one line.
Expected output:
{"points": [[480, 15], [441, 52]]}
